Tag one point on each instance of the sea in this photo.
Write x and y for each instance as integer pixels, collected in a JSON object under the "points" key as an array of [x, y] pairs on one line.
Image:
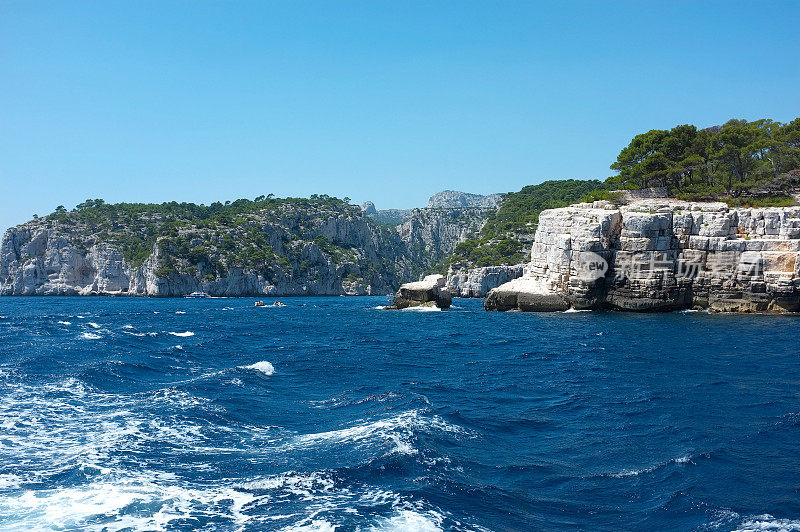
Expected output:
{"points": [[335, 414]]}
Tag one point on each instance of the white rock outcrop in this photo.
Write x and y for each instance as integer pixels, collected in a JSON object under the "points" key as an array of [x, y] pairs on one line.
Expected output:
{"points": [[428, 292], [476, 282], [660, 254]]}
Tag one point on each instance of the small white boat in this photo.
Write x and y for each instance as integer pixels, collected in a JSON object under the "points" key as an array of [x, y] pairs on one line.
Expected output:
{"points": [[197, 294]]}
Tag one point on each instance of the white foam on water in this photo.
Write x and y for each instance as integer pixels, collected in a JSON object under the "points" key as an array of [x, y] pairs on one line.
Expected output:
{"points": [[81, 317], [93, 325], [127, 326], [65, 323], [316, 525], [177, 347], [407, 519], [327, 499], [134, 333], [263, 366], [101, 505], [422, 309], [573, 310], [90, 336], [766, 522], [179, 312], [182, 334]]}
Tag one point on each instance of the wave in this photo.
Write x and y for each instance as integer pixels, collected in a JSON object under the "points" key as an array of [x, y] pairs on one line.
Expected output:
{"points": [[182, 334], [90, 336], [65, 323], [422, 309], [264, 367], [400, 431], [686, 459], [179, 312], [573, 310]]}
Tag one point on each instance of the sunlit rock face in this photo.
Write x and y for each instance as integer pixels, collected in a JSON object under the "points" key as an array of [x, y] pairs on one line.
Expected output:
{"points": [[660, 254], [429, 292], [476, 282]]}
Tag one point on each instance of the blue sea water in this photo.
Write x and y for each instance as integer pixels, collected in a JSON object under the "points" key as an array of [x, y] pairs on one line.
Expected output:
{"points": [[175, 414]]}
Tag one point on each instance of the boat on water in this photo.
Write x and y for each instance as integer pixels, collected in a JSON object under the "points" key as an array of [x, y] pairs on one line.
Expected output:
{"points": [[197, 294]]}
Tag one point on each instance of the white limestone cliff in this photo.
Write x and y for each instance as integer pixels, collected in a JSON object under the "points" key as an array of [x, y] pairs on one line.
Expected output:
{"points": [[660, 254]]}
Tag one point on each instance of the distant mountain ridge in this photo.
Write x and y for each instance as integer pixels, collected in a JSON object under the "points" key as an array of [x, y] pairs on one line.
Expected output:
{"points": [[455, 199]]}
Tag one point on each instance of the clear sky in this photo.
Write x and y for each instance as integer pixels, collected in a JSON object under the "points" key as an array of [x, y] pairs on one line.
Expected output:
{"points": [[376, 100]]}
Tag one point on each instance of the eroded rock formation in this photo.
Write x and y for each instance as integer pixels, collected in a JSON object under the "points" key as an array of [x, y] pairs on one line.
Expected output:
{"points": [[429, 292]]}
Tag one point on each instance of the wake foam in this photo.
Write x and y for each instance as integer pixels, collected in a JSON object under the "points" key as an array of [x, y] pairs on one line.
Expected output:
{"points": [[103, 442], [766, 522]]}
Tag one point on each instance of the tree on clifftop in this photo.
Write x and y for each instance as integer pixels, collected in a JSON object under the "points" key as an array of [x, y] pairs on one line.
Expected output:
{"points": [[730, 158]]}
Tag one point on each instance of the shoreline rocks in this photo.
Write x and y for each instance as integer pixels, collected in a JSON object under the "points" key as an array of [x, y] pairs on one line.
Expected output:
{"points": [[660, 255], [429, 292]]}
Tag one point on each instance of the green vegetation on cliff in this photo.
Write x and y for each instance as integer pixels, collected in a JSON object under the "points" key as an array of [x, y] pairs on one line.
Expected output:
{"points": [[506, 236], [269, 236]]}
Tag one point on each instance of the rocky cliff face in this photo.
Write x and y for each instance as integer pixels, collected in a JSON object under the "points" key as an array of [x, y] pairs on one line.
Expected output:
{"points": [[660, 254], [316, 246], [330, 255], [476, 282], [433, 233]]}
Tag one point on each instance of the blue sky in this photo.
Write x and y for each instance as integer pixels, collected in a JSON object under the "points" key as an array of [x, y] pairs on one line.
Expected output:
{"points": [[376, 100]]}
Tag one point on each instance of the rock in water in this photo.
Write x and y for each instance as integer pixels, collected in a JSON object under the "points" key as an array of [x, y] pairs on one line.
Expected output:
{"points": [[428, 292], [660, 255]]}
